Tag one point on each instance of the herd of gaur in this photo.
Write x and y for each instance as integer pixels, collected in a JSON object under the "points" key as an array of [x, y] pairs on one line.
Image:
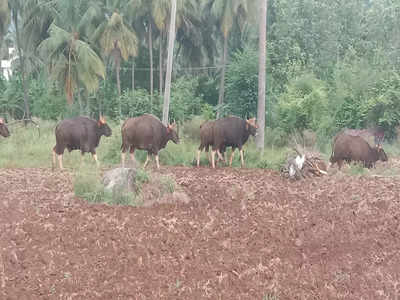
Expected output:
{"points": [[148, 133]]}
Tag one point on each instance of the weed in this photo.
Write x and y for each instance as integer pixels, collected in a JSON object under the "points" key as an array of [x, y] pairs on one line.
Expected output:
{"points": [[270, 297], [167, 184], [356, 169]]}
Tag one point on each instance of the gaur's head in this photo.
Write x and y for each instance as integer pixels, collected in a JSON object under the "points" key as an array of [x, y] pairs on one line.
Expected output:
{"points": [[104, 128], [172, 134], [381, 153], [3, 129], [251, 126]]}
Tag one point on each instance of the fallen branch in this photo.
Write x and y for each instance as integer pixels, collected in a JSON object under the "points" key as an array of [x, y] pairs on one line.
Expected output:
{"points": [[303, 166]]}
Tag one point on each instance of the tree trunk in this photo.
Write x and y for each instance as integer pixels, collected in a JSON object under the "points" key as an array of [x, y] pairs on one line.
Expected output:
{"points": [[80, 101], [151, 65], [133, 75], [22, 65], [171, 40], [160, 61], [261, 74], [222, 83], [117, 71]]}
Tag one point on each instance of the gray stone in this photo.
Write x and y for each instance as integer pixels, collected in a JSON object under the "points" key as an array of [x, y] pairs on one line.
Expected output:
{"points": [[120, 180]]}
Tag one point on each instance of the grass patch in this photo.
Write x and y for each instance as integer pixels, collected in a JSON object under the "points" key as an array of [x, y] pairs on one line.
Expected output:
{"points": [[356, 169], [392, 149], [87, 185]]}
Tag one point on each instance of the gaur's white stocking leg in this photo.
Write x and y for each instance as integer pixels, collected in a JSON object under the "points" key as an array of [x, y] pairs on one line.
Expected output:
{"points": [[147, 160], [213, 158], [54, 160], [95, 158], [60, 157], [219, 155], [209, 156], [241, 157], [198, 158], [231, 158], [157, 162]]}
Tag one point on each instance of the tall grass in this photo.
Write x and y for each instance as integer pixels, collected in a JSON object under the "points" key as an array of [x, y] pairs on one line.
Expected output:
{"points": [[26, 148]]}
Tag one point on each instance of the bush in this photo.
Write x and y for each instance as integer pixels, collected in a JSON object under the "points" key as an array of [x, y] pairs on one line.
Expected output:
{"points": [[191, 129], [241, 89], [304, 105], [139, 102], [275, 137]]}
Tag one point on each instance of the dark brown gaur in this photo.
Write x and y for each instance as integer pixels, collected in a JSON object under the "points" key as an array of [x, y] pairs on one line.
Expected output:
{"points": [[146, 132], [354, 148], [232, 132], [80, 133], [376, 132], [206, 140], [3, 129]]}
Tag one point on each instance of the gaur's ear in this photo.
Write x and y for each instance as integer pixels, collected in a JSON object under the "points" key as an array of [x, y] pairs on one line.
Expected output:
{"points": [[1, 121], [169, 128]]}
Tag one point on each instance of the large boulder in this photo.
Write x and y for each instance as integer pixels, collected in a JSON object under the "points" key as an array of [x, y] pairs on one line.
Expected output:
{"points": [[120, 181]]}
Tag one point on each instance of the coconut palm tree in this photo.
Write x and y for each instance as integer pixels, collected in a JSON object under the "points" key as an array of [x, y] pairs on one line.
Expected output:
{"points": [[224, 13], [151, 19], [117, 41], [5, 18], [140, 14], [17, 10], [71, 60], [261, 73]]}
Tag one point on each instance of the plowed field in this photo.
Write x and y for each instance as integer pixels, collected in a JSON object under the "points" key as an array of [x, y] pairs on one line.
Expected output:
{"points": [[245, 234]]}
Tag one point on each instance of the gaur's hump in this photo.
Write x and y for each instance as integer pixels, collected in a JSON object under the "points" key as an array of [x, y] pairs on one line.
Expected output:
{"points": [[152, 116], [79, 119], [207, 124]]}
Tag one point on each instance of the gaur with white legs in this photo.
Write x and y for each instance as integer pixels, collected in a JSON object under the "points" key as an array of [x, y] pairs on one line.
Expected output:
{"points": [[231, 132], [207, 140], [146, 132], [80, 133]]}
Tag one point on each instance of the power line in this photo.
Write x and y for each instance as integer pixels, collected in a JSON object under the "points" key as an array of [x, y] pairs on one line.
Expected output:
{"points": [[177, 68]]}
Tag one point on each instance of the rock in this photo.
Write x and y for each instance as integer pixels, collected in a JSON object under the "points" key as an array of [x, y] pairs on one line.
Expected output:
{"points": [[120, 180]]}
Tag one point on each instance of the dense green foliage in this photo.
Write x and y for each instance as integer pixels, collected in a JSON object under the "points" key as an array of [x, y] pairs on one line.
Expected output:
{"points": [[330, 64]]}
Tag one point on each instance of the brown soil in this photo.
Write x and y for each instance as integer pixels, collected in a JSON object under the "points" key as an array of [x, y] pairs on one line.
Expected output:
{"points": [[245, 234]]}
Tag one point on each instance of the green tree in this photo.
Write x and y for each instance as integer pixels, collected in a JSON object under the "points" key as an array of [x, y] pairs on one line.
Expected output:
{"points": [[5, 18], [118, 42], [224, 13], [70, 59]]}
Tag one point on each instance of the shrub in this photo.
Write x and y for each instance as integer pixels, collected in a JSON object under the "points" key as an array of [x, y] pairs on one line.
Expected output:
{"points": [[304, 105]]}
